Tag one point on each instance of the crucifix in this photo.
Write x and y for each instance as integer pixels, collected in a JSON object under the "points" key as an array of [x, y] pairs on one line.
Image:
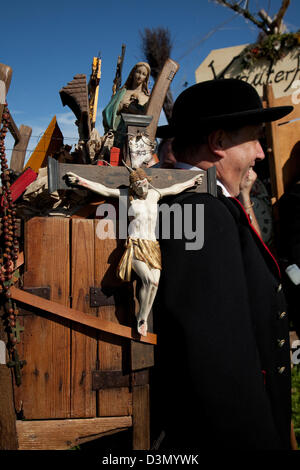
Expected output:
{"points": [[17, 330], [142, 252]]}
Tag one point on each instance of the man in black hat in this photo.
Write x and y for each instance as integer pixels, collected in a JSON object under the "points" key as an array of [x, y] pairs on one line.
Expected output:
{"points": [[222, 374]]}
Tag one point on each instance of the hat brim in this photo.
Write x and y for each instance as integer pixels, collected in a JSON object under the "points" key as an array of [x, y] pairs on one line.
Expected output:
{"points": [[243, 118]]}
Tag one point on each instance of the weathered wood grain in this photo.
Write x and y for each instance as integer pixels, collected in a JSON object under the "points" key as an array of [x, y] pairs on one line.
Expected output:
{"points": [[67, 433], [112, 353], [283, 143], [45, 389], [8, 433], [20, 148], [47, 306], [141, 417], [84, 340], [118, 175]]}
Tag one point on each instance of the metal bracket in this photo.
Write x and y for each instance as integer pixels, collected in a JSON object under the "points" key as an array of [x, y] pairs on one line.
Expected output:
{"points": [[43, 292], [99, 299], [103, 379]]}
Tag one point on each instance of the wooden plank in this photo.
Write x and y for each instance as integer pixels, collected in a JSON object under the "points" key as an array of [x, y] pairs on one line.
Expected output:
{"points": [[141, 417], [19, 186], [158, 94], [84, 340], [141, 354], [45, 389], [274, 149], [50, 142], [67, 433], [20, 148], [13, 129], [76, 316], [112, 354], [5, 79], [8, 432]]}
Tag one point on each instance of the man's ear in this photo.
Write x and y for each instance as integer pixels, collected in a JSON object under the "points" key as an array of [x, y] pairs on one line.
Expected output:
{"points": [[216, 141]]}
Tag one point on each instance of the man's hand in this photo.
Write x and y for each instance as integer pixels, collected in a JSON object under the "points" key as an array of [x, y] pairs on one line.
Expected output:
{"points": [[247, 182]]}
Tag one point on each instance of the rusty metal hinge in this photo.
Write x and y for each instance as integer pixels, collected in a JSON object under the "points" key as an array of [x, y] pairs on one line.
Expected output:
{"points": [[44, 291], [103, 379]]}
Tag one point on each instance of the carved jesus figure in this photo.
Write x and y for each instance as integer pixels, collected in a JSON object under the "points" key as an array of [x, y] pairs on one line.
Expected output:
{"points": [[142, 251]]}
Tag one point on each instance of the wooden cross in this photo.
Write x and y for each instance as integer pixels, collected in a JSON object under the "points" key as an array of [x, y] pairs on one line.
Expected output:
{"points": [[17, 330], [17, 366], [117, 176]]}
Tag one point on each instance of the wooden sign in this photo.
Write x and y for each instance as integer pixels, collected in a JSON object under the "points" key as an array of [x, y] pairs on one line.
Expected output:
{"points": [[283, 146], [228, 63]]}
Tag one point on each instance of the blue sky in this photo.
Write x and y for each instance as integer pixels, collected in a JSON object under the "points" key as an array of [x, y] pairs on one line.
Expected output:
{"points": [[47, 43]]}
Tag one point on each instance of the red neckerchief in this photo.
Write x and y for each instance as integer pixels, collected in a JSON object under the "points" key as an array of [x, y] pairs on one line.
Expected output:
{"points": [[256, 234]]}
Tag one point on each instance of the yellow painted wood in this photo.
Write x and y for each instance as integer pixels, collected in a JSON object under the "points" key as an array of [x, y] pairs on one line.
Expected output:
{"points": [[36, 160]]}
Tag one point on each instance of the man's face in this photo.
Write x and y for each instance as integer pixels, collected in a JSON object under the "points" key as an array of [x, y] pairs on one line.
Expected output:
{"points": [[242, 150], [141, 187]]}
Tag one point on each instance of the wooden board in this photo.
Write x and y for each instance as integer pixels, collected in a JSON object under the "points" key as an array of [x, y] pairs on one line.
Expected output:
{"points": [[62, 353], [141, 418], [45, 389], [84, 340], [5, 79], [8, 433], [20, 148], [67, 433], [283, 142], [49, 143], [113, 352], [158, 94], [44, 307]]}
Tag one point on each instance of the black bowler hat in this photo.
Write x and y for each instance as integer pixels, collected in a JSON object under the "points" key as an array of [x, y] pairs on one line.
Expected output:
{"points": [[228, 103]]}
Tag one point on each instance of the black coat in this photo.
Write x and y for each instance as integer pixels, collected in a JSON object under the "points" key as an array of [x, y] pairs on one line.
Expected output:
{"points": [[289, 225], [222, 374]]}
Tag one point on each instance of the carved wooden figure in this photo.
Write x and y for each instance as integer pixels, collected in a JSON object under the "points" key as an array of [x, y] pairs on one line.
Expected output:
{"points": [[142, 251]]}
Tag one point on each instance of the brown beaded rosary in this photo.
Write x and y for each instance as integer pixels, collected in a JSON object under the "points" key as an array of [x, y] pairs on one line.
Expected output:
{"points": [[9, 253]]}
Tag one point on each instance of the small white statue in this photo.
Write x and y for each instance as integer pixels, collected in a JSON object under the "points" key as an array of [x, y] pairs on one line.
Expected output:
{"points": [[142, 253]]}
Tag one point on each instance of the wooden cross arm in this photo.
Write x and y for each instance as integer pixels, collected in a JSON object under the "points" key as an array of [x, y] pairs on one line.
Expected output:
{"points": [[80, 317], [114, 177]]}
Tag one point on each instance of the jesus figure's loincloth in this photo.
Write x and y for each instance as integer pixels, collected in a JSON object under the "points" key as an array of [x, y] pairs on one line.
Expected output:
{"points": [[147, 251]]}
